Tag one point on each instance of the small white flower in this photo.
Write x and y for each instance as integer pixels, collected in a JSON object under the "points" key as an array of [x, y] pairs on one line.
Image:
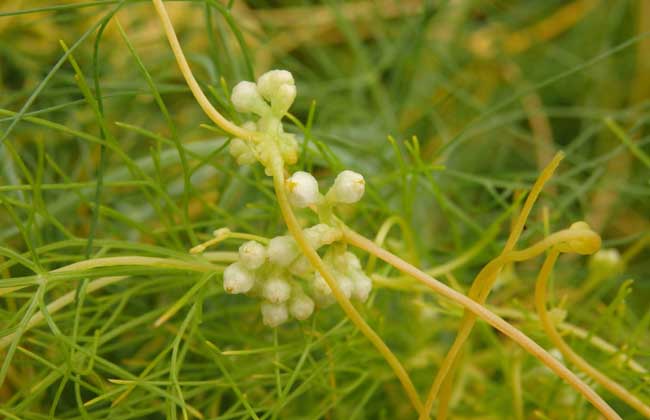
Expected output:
{"points": [[283, 100], [303, 189], [246, 98], [301, 307], [252, 255], [282, 250], [236, 279], [321, 234], [277, 87], [274, 314], [241, 151], [300, 267], [345, 284], [362, 285], [348, 188], [276, 290], [320, 286], [352, 261]]}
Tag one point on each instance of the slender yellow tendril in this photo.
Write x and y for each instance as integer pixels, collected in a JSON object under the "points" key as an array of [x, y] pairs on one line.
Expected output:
{"points": [[488, 316], [479, 291], [204, 103], [565, 349], [316, 262]]}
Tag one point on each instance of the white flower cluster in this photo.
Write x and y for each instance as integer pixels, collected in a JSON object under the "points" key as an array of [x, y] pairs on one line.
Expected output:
{"points": [[269, 100], [302, 189], [283, 278]]}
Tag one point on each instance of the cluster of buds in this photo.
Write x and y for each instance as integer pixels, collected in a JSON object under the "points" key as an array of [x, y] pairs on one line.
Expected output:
{"points": [[282, 277], [268, 100], [279, 273], [302, 189]]}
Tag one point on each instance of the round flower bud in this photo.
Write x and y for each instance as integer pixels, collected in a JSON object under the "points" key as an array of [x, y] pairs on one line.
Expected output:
{"points": [[246, 98], [606, 262], [321, 234], [252, 255], [352, 261], [283, 100], [282, 250], [303, 189], [300, 267], [274, 314], [345, 284], [289, 148], [236, 279], [362, 285], [242, 152], [276, 290], [301, 307], [270, 82], [320, 286], [348, 188]]}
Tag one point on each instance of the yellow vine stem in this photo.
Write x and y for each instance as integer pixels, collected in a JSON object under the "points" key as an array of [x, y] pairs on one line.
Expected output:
{"points": [[586, 239], [314, 259], [287, 212], [382, 233], [478, 310], [479, 290], [565, 349], [203, 101]]}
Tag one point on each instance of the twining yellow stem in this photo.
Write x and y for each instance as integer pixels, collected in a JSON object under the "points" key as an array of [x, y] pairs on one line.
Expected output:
{"points": [[204, 103], [382, 233], [488, 316], [480, 289], [565, 349], [316, 262]]}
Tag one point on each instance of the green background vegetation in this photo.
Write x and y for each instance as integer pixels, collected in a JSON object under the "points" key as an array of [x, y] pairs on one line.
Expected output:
{"points": [[490, 89]]}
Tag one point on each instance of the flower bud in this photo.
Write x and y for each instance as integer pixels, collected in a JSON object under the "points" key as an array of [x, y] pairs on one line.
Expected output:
{"points": [[277, 87], [352, 261], [321, 234], [276, 290], [301, 307], [300, 267], [282, 250], [320, 286], [303, 189], [348, 188], [252, 255], [236, 279], [283, 100], [606, 262], [345, 284], [362, 285], [270, 82], [289, 148], [242, 152], [246, 98], [274, 314]]}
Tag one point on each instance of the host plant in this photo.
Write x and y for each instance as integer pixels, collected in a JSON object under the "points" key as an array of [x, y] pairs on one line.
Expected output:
{"points": [[312, 267], [267, 142]]}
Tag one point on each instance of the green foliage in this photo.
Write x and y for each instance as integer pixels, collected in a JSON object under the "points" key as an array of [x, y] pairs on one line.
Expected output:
{"points": [[110, 174]]}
